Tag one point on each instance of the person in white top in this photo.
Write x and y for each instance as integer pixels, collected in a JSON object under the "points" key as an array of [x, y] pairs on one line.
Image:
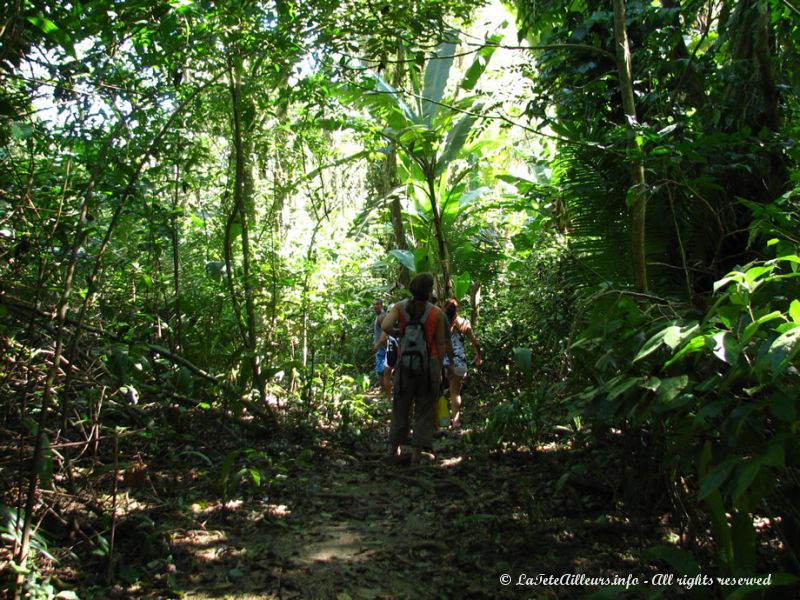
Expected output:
{"points": [[459, 329]]}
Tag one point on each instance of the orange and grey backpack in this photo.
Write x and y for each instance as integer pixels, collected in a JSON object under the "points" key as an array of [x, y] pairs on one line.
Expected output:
{"points": [[416, 339]]}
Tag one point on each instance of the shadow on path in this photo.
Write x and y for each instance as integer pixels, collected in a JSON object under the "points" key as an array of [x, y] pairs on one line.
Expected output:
{"points": [[346, 525]]}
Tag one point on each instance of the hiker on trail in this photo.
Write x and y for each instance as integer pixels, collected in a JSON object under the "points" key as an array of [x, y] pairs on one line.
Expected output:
{"points": [[459, 328], [416, 381], [392, 346], [378, 348]]}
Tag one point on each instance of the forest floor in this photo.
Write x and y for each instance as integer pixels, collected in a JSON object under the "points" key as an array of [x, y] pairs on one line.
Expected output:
{"points": [[331, 519]]}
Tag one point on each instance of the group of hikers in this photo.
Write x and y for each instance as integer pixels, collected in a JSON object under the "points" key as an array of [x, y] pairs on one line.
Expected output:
{"points": [[420, 349]]}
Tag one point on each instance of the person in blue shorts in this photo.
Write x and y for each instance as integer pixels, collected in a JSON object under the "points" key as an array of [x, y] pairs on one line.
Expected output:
{"points": [[378, 348]]}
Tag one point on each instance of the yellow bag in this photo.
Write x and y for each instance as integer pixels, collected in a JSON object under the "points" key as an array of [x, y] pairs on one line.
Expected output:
{"points": [[443, 413]]}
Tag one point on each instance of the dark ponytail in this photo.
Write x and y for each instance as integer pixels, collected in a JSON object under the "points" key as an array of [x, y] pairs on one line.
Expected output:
{"points": [[421, 287]]}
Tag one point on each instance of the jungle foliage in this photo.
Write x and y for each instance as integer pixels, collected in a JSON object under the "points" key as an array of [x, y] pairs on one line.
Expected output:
{"points": [[199, 201]]}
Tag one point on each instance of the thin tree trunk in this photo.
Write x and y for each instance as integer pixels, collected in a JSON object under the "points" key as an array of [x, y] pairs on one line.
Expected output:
{"points": [[52, 373], [389, 181], [638, 192], [240, 204], [176, 263], [444, 258]]}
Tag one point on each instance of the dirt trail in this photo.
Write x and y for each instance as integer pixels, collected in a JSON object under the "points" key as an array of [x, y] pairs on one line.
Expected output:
{"points": [[346, 525]]}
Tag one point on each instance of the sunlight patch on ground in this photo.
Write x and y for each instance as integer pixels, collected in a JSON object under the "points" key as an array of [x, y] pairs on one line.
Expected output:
{"points": [[549, 447], [207, 543], [278, 511], [339, 543], [452, 462]]}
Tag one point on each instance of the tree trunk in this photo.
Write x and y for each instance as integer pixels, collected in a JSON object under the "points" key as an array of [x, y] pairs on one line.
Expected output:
{"points": [[240, 205], [23, 548], [387, 182], [441, 243], [176, 262], [390, 181], [638, 191]]}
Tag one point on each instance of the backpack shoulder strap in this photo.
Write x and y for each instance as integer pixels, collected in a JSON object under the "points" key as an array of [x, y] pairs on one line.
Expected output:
{"points": [[426, 314], [404, 317]]}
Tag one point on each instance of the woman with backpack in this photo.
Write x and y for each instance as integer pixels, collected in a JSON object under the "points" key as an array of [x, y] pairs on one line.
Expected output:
{"points": [[459, 329], [416, 380]]}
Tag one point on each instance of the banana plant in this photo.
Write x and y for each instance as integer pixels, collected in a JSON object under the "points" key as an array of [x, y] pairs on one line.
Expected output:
{"points": [[430, 131]]}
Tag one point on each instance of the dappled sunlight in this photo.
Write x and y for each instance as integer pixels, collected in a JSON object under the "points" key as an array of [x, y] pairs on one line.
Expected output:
{"points": [[338, 542], [204, 206]]}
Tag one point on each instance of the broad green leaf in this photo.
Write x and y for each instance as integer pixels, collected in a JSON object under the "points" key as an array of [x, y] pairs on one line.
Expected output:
{"points": [[43, 23], [654, 343], [783, 349], [623, 387], [720, 527], [753, 327], [53, 32], [794, 311], [718, 285], [405, 258], [711, 482], [725, 347], [743, 478], [480, 62], [436, 74], [255, 475], [477, 517], [673, 336], [456, 138], [225, 471], [704, 460], [752, 275], [461, 285], [782, 406], [651, 383], [695, 345], [386, 92], [413, 134], [468, 198], [236, 230], [739, 417], [671, 387]]}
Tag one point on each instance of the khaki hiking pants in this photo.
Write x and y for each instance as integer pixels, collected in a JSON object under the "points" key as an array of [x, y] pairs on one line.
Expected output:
{"points": [[421, 395]]}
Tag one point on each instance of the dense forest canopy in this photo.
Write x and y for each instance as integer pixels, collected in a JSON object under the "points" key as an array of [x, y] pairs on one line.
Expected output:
{"points": [[199, 202]]}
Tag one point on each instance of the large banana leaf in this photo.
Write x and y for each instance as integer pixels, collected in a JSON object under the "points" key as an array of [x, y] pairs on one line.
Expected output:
{"points": [[386, 95], [436, 75], [480, 62], [456, 138]]}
